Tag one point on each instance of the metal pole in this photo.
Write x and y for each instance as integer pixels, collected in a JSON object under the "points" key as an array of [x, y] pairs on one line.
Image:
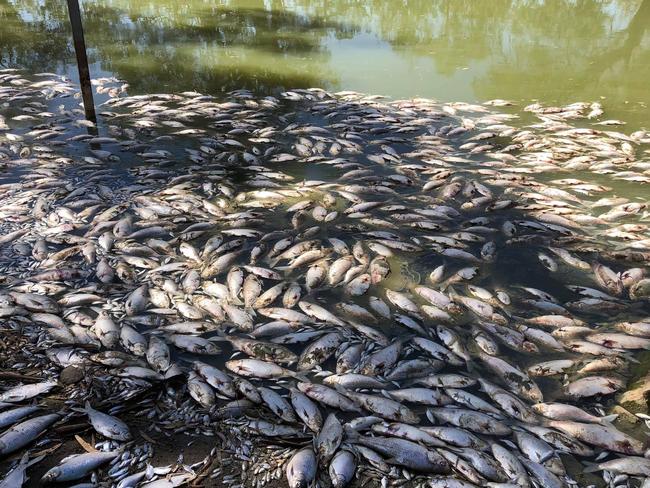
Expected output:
{"points": [[82, 60]]}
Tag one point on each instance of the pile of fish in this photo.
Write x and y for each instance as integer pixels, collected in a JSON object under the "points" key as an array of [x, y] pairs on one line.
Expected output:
{"points": [[334, 287]]}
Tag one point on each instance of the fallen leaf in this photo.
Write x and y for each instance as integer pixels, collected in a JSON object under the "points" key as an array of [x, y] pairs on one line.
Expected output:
{"points": [[87, 447]]}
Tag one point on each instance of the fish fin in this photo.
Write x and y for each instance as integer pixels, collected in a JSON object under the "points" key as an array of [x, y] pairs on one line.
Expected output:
{"points": [[548, 456], [392, 460], [37, 459], [301, 377], [607, 419], [591, 468], [24, 459], [153, 332], [351, 434], [324, 373], [471, 366], [220, 337], [83, 409]]}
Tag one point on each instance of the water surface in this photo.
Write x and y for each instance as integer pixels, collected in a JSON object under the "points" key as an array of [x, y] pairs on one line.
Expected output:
{"points": [[553, 51], [556, 51]]}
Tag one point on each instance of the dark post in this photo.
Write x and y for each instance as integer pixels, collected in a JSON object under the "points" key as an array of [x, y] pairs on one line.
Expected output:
{"points": [[82, 60]]}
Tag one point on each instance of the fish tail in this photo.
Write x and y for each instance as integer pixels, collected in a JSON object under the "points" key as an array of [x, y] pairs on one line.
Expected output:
{"points": [[221, 336], [471, 366], [76, 409], [608, 419], [351, 434], [33, 461], [301, 377]]}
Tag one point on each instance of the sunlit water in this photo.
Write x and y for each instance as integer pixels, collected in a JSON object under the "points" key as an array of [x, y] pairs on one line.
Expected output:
{"points": [[557, 50]]}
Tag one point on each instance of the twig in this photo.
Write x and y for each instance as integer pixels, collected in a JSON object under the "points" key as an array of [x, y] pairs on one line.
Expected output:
{"points": [[69, 428], [10, 375]]}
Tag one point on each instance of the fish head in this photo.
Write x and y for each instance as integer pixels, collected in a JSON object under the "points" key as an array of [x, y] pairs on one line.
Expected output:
{"points": [[51, 475], [435, 458]]}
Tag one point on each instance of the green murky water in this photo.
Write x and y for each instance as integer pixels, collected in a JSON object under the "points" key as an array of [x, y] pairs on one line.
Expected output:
{"points": [[471, 50]]}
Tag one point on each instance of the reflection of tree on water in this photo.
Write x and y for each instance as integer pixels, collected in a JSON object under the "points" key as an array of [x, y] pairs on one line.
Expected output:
{"points": [[568, 49], [625, 59], [215, 47], [40, 44], [633, 35], [169, 45], [207, 45]]}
